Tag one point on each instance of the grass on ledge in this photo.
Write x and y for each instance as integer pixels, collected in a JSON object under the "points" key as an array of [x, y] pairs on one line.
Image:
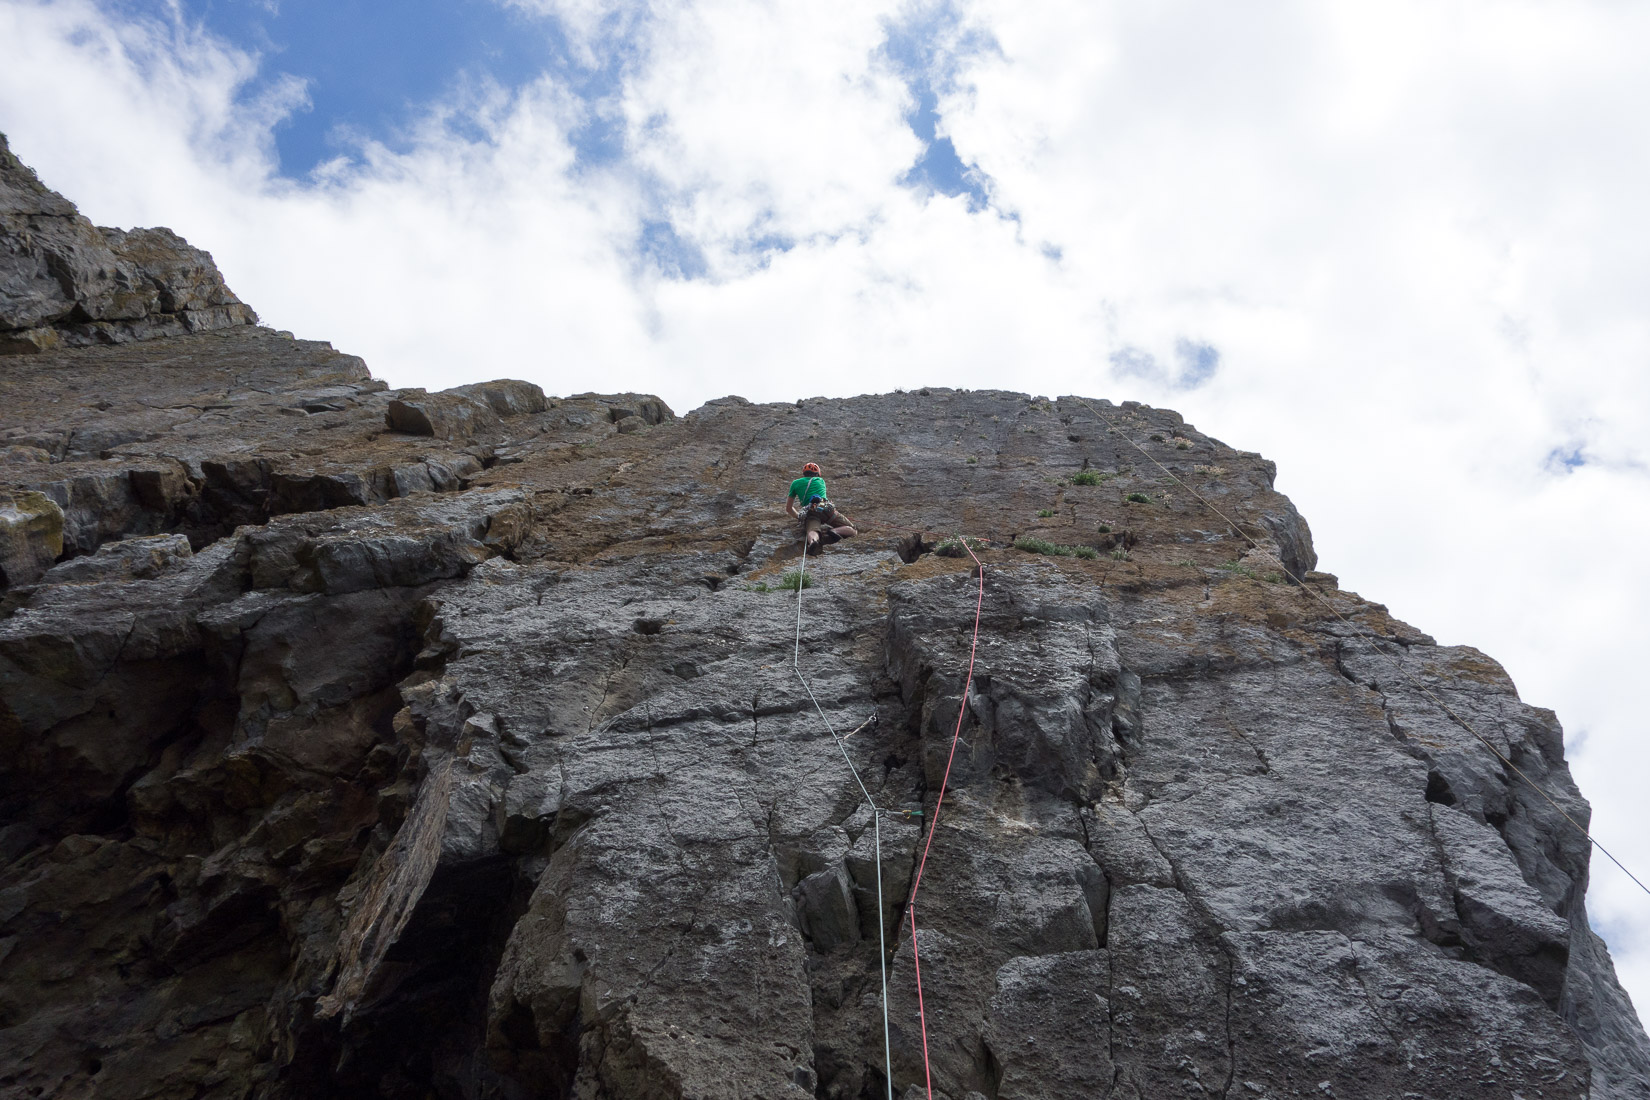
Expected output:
{"points": [[1272, 577], [953, 548], [788, 582], [1043, 546]]}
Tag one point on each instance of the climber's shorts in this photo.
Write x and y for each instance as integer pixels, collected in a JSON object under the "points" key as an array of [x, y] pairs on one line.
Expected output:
{"points": [[814, 519]]}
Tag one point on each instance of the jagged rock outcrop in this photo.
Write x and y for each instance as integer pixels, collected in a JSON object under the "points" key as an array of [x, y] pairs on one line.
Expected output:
{"points": [[362, 742], [65, 282]]}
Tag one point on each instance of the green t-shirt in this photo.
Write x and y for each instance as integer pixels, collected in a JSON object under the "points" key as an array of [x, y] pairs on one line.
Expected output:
{"points": [[805, 488]]}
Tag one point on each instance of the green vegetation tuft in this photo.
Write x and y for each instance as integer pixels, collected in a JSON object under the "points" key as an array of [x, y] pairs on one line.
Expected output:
{"points": [[1090, 477], [786, 583], [953, 547], [1042, 546], [1044, 513], [1119, 554], [1138, 498], [1104, 528]]}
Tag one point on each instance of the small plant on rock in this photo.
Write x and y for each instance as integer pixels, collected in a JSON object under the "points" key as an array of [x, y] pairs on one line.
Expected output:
{"points": [[1044, 513], [954, 547], [1119, 554], [1138, 498], [1042, 546], [1089, 477], [794, 579]]}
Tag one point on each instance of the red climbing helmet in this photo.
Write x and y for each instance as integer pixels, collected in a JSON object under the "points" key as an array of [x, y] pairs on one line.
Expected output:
{"points": [[811, 468]]}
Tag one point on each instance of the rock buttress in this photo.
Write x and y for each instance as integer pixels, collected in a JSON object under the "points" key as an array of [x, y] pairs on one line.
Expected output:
{"points": [[65, 282], [453, 748]]}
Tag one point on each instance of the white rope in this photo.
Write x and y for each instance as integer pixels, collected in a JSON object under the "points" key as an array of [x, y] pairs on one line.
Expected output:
{"points": [[876, 813]]}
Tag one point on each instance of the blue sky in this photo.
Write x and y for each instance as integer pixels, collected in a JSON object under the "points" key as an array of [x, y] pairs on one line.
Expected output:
{"points": [[371, 69], [1399, 247], [927, 46], [371, 73]]}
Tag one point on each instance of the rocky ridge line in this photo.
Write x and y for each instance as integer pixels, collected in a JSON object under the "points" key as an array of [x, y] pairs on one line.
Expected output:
{"points": [[65, 282]]}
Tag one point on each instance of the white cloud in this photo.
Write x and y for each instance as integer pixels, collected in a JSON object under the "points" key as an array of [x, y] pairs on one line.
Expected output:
{"points": [[1412, 232]]}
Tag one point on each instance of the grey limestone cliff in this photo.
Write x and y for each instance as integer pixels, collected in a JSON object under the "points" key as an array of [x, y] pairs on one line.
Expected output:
{"points": [[65, 282], [375, 743]]}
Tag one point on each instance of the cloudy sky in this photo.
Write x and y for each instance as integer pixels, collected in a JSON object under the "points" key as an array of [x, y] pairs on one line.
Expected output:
{"points": [[1400, 247]]}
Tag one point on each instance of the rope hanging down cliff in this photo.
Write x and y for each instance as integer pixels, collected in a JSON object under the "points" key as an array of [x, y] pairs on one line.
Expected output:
{"points": [[876, 816], [1396, 664], [934, 821]]}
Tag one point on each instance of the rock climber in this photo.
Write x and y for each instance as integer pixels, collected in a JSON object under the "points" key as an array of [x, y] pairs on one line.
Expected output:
{"points": [[820, 521]]}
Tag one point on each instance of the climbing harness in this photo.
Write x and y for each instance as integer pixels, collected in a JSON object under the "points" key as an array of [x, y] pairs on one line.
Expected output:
{"points": [[1397, 664], [876, 820]]}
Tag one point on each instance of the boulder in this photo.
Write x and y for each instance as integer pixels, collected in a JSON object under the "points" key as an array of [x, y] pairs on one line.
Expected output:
{"points": [[31, 535], [506, 396], [445, 415]]}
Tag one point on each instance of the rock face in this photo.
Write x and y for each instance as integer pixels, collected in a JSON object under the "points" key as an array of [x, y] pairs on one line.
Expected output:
{"points": [[360, 742], [65, 282]]}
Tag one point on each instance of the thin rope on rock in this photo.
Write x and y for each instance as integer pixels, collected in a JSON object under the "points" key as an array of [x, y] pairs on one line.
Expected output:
{"points": [[934, 822], [876, 814]]}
